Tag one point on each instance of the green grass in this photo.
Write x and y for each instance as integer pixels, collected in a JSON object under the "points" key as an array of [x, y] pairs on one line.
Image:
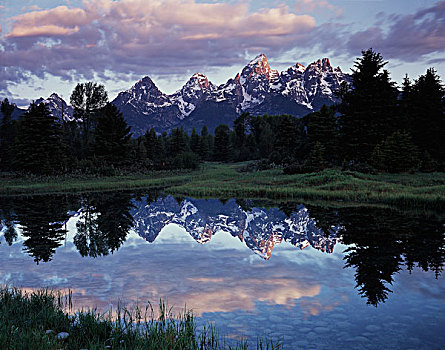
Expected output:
{"points": [[26, 319], [424, 191], [58, 184]]}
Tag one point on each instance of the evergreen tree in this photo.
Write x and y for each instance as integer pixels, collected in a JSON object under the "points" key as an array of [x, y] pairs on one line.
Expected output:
{"points": [[222, 151], [6, 134], [178, 142], [286, 139], [375, 250], [368, 109], [204, 144], [39, 147], [239, 137], [316, 159], [195, 142], [263, 136], [427, 106], [322, 128], [150, 142], [112, 135], [396, 154]]}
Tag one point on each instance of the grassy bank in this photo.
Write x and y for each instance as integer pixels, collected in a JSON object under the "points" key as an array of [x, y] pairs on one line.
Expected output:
{"points": [[424, 191], [41, 320], [59, 184]]}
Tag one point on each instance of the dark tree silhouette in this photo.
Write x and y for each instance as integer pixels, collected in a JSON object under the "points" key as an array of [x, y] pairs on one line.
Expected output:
{"points": [[104, 223], [368, 107], [87, 99], [6, 135], [39, 147], [222, 151], [112, 136], [42, 219]]}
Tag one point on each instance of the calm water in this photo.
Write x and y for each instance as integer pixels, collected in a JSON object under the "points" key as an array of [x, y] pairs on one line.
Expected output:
{"points": [[358, 278]]}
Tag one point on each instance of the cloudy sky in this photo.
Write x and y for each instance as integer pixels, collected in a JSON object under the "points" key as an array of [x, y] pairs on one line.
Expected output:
{"points": [[49, 45]]}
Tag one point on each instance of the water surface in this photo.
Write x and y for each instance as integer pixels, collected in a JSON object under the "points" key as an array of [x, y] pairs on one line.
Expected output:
{"points": [[309, 276]]}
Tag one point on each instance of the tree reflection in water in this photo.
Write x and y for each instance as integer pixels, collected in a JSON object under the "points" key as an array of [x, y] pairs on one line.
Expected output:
{"points": [[380, 241], [104, 223], [384, 241], [42, 223]]}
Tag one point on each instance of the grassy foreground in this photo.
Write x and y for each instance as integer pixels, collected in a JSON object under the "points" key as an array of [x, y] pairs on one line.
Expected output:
{"points": [[424, 191], [40, 320]]}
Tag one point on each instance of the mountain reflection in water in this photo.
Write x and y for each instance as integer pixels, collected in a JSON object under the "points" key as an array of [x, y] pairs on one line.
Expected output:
{"points": [[380, 242]]}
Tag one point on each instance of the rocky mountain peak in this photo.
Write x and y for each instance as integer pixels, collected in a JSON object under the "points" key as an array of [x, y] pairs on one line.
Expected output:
{"points": [[259, 66], [54, 96], [322, 65], [300, 68], [56, 105], [199, 81], [257, 89], [144, 90]]}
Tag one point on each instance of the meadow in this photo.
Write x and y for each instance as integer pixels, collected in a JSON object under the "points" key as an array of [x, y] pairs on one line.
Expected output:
{"points": [[219, 180]]}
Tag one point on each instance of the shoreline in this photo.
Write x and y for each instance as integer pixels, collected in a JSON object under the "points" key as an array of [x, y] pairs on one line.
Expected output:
{"points": [[216, 180]]}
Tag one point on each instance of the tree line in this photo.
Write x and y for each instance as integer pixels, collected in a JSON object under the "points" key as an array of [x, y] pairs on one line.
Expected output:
{"points": [[376, 126]]}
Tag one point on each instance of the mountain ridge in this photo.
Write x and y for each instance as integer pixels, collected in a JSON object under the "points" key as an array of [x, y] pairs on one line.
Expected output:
{"points": [[257, 89]]}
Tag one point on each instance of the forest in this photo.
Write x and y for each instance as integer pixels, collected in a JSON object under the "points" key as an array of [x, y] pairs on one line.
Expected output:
{"points": [[377, 127]]}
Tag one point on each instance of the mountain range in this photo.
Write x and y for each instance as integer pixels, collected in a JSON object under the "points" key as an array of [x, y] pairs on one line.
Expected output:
{"points": [[260, 229], [257, 89]]}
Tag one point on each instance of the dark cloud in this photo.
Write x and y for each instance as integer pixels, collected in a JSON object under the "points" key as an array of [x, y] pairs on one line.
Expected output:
{"points": [[169, 38], [156, 38], [408, 38]]}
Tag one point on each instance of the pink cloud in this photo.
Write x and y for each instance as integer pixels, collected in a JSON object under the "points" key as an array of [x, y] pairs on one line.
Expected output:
{"points": [[43, 30], [317, 5], [50, 22], [140, 37]]}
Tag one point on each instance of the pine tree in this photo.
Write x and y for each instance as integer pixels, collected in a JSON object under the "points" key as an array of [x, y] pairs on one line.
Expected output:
{"points": [[112, 135], [178, 142], [397, 153], [322, 128], [39, 147], [150, 142], [239, 136], [222, 150], [263, 136], [194, 142], [41, 221], [286, 139], [368, 109], [204, 146], [6, 134], [427, 106], [316, 159]]}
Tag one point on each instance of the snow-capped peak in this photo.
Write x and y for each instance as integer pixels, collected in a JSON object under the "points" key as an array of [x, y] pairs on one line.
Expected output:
{"points": [[199, 80], [300, 68], [259, 66], [261, 58], [321, 65], [56, 106]]}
